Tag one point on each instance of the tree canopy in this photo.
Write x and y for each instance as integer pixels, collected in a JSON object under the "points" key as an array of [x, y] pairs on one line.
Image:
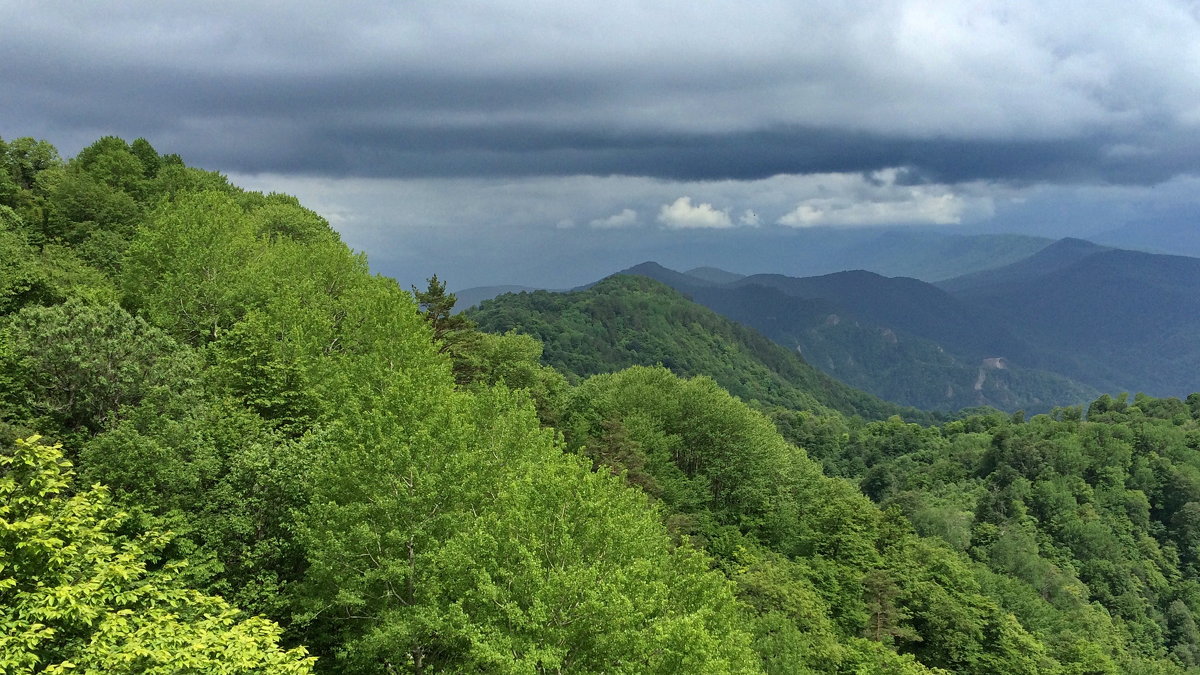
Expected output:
{"points": [[282, 457], [79, 594]]}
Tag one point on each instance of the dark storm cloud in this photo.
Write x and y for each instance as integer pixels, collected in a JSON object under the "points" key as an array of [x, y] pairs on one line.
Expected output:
{"points": [[678, 93], [736, 155], [387, 125]]}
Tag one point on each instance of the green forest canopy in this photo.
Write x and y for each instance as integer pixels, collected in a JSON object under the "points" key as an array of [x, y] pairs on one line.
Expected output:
{"points": [[339, 483]]}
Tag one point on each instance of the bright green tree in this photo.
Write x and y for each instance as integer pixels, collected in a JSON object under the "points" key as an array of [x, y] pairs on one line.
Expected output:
{"points": [[448, 531], [79, 595]]}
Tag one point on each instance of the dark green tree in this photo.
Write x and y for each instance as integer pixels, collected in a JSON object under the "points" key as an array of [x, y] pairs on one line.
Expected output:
{"points": [[886, 619], [437, 306], [145, 153], [79, 363]]}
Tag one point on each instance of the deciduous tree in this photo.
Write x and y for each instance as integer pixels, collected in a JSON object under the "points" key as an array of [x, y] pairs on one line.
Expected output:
{"points": [[78, 595]]}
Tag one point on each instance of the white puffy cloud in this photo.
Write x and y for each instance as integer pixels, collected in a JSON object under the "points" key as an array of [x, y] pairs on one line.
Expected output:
{"points": [[625, 218], [943, 209], [749, 218], [681, 214], [879, 199]]}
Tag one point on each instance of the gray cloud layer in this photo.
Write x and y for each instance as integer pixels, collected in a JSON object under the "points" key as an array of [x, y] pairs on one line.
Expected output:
{"points": [[550, 142], [1067, 91]]}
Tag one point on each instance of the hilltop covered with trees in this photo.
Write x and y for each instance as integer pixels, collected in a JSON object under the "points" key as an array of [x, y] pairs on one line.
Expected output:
{"points": [[227, 447]]}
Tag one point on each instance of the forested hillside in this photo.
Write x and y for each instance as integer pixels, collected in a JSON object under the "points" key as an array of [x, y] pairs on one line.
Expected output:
{"points": [[1053, 329], [1112, 318], [901, 339], [232, 373], [227, 447], [632, 320], [1097, 516]]}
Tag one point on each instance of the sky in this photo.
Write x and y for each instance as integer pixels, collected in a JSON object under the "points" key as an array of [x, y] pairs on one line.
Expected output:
{"points": [[549, 143]]}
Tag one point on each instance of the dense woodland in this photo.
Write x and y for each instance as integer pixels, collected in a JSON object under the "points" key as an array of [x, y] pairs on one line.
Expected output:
{"points": [[228, 447], [632, 320]]}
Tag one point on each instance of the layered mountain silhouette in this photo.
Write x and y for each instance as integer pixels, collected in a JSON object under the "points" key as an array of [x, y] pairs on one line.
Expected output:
{"points": [[1055, 328], [1060, 255], [902, 339], [628, 320], [1118, 320]]}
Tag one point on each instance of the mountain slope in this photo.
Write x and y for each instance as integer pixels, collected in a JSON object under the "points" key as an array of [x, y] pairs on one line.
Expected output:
{"points": [[714, 275], [845, 337], [626, 320], [258, 391], [668, 276], [1059, 255], [907, 305], [1119, 320], [932, 255], [1173, 233]]}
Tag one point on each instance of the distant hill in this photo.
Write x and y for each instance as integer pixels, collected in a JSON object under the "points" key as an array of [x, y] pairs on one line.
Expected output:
{"points": [[714, 275], [1059, 255], [900, 339], [908, 305], [930, 256], [1054, 328], [633, 320], [669, 277], [469, 297], [1115, 319], [1175, 234]]}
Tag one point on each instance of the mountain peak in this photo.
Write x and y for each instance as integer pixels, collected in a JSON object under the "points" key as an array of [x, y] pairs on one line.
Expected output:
{"points": [[648, 266], [1057, 256], [667, 276], [714, 275], [1074, 244]]}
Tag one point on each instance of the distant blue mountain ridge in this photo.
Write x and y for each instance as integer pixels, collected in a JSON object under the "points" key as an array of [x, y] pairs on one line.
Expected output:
{"points": [[1053, 328]]}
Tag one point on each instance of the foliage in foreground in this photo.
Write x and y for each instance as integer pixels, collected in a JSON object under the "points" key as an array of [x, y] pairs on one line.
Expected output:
{"points": [[78, 594], [292, 417], [402, 495]]}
